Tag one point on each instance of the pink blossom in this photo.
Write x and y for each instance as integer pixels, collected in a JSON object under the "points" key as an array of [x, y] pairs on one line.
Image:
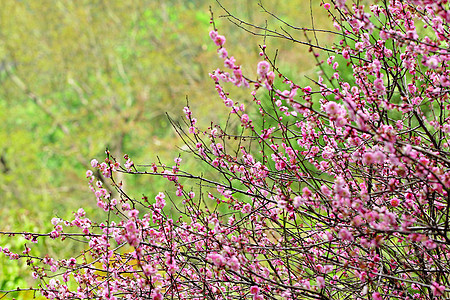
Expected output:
{"points": [[336, 25], [160, 202], [133, 213], [270, 78], [379, 157], [379, 86], [345, 54], [217, 259], [437, 289], [263, 68], [340, 3], [222, 53], [219, 40], [56, 221], [230, 63], [388, 52], [376, 296], [320, 282], [247, 208], [94, 163], [157, 296], [306, 192], [244, 119], [297, 201], [213, 34], [330, 59], [341, 121], [332, 109], [325, 190], [346, 235], [238, 76], [254, 290], [432, 62], [412, 88], [395, 202], [368, 158], [233, 263]]}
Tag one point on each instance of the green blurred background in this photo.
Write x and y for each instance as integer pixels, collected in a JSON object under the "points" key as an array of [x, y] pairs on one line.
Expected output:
{"points": [[79, 76]]}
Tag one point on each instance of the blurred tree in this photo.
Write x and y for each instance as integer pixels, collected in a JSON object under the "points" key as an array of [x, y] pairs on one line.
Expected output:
{"points": [[79, 76]]}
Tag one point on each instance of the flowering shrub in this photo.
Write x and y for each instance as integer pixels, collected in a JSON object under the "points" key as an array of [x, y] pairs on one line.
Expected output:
{"points": [[332, 192]]}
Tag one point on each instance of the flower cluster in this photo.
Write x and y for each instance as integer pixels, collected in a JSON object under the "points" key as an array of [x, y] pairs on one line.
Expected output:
{"points": [[335, 191]]}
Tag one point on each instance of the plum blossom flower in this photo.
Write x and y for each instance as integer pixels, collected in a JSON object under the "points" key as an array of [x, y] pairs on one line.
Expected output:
{"points": [[94, 163], [332, 109], [297, 201], [222, 53], [376, 296], [395, 202], [379, 157], [263, 69], [346, 235], [230, 63], [160, 202], [437, 289], [270, 78], [244, 119], [345, 54], [246, 209], [218, 39], [432, 62], [340, 3], [379, 86], [216, 259], [368, 158], [56, 221], [133, 213], [233, 263], [330, 59], [320, 282], [254, 290], [213, 34], [157, 296]]}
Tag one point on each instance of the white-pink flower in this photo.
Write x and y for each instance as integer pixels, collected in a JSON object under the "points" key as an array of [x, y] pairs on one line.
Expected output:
{"points": [[437, 289], [320, 282], [263, 69], [379, 86], [332, 109], [346, 235], [94, 163], [254, 290], [233, 263]]}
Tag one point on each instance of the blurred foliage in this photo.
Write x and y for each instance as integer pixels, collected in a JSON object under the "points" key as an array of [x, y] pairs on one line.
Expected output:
{"points": [[79, 76]]}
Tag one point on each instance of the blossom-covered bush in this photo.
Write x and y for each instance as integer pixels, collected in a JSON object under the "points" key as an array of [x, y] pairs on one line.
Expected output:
{"points": [[334, 190]]}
